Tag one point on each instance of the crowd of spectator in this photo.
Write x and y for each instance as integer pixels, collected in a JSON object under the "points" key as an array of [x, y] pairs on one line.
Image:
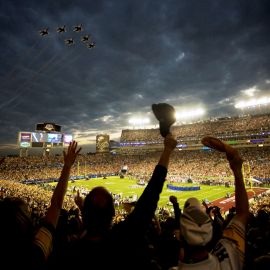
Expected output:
{"points": [[195, 164], [232, 126], [27, 235], [74, 231], [155, 242]]}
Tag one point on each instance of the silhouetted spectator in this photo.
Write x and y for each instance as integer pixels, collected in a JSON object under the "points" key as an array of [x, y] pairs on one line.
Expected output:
{"points": [[22, 246], [123, 245], [196, 227]]}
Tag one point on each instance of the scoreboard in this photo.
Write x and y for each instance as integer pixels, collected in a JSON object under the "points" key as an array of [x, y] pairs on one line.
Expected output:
{"points": [[43, 139], [102, 143]]}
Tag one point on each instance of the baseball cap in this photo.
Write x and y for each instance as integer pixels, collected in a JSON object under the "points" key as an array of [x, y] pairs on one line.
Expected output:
{"points": [[195, 224], [165, 114]]}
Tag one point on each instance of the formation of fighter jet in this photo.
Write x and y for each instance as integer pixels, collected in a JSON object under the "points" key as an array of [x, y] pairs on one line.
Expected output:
{"points": [[77, 28], [69, 41], [61, 29], [44, 32], [91, 45], [85, 38]]}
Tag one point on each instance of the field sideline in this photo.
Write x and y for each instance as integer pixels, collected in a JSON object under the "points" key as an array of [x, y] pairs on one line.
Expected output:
{"points": [[128, 187]]}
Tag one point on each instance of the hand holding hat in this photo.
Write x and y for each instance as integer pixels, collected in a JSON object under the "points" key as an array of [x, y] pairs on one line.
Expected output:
{"points": [[220, 146], [232, 154], [165, 114]]}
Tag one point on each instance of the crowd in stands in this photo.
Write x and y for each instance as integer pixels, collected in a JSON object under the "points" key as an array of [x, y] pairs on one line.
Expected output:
{"points": [[42, 229], [232, 126], [196, 164], [24, 244]]}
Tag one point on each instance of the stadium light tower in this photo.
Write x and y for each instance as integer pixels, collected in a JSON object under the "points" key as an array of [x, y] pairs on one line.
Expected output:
{"points": [[139, 122], [189, 114], [251, 103]]}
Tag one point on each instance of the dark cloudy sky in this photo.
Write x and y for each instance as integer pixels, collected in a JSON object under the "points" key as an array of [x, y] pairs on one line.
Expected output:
{"points": [[188, 53]]}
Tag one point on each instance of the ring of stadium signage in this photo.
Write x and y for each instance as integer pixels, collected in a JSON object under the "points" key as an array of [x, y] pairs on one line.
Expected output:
{"points": [[46, 135]]}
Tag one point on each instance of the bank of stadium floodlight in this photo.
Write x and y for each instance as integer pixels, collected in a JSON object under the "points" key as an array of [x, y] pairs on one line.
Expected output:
{"points": [[252, 103], [139, 121], [188, 114]]}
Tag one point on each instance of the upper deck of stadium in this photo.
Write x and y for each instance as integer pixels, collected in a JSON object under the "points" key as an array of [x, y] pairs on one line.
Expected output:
{"points": [[236, 130]]}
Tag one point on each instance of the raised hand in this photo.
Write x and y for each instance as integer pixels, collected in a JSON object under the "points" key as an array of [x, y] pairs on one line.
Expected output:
{"points": [[61, 187], [231, 153], [173, 199], [235, 161], [170, 142], [71, 153], [79, 200]]}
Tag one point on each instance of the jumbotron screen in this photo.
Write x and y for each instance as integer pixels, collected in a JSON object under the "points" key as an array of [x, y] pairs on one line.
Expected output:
{"points": [[54, 138], [67, 138], [42, 139], [25, 139]]}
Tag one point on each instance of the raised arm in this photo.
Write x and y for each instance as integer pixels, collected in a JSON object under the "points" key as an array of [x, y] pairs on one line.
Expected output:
{"points": [[57, 199], [169, 145], [79, 200], [241, 198], [177, 210], [236, 162], [147, 203]]}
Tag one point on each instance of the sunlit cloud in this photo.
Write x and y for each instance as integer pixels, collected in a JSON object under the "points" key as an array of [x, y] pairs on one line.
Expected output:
{"points": [[180, 57], [139, 96], [250, 92], [225, 101]]}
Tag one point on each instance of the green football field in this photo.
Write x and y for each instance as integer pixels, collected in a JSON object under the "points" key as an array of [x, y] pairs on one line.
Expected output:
{"points": [[129, 187]]}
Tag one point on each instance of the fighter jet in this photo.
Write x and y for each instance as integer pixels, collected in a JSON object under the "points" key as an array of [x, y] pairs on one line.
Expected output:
{"points": [[61, 29], [77, 28], [85, 38], [69, 41], [44, 32], [91, 45]]}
